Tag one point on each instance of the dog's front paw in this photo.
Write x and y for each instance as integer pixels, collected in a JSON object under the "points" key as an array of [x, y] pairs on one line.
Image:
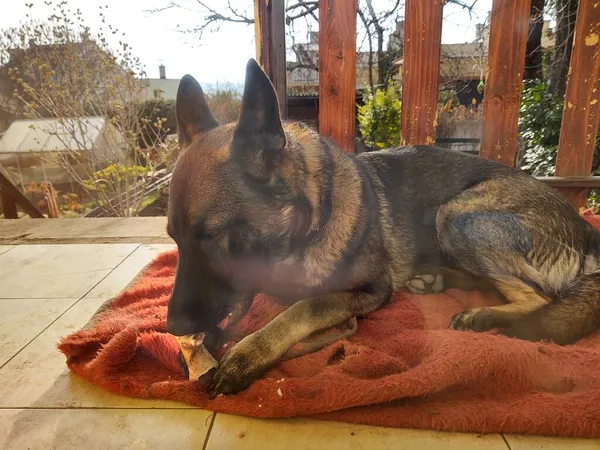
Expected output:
{"points": [[238, 369], [476, 319], [426, 284]]}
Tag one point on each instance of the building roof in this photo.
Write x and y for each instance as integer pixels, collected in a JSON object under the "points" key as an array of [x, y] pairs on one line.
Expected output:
{"points": [[46, 135], [468, 49], [449, 51]]}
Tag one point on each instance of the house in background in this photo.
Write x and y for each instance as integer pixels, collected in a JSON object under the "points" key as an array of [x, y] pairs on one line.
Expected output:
{"points": [[60, 58], [35, 150], [161, 88], [57, 55], [462, 66], [302, 77]]}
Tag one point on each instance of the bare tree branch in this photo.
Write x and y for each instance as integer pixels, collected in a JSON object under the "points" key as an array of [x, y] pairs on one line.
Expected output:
{"points": [[366, 24], [309, 9], [469, 7]]}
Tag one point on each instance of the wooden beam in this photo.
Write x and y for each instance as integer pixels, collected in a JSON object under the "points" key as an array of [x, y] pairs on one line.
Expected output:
{"points": [[581, 114], [571, 182], [502, 94], [421, 71], [9, 190], [337, 71], [9, 206], [269, 30]]}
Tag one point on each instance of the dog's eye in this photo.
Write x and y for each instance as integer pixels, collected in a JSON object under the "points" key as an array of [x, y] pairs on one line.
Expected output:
{"points": [[207, 235], [257, 179]]}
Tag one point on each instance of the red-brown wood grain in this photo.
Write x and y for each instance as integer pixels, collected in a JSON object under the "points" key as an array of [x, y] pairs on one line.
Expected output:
{"points": [[337, 71], [421, 71], [269, 29], [581, 114], [502, 94]]}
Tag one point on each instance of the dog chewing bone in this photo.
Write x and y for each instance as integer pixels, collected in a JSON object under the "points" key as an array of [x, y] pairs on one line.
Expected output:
{"points": [[197, 359]]}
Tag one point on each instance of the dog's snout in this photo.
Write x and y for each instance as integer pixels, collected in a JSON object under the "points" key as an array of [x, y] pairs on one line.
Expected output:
{"points": [[181, 326]]}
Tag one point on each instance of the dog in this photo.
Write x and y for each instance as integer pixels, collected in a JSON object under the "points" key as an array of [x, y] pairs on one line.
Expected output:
{"points": [[268, 206]]}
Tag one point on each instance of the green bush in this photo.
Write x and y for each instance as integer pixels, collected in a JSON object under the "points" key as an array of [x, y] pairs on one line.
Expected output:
{"points": [[540, 118], [115, 175], [379, 119]]}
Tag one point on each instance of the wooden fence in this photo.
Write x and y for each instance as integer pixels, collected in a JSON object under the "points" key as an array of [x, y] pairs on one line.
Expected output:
{"points": [[420, 80]]}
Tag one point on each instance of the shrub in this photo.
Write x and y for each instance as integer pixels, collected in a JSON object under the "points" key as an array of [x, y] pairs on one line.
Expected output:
{"points": [[539, 125], [379, 119], [225, 104], [114, 175]]}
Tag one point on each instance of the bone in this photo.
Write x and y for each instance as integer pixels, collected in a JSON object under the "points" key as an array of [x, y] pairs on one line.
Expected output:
{"points": [[198, 360]]}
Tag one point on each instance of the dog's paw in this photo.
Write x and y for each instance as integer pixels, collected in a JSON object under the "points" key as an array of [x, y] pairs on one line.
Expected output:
{"points": [[426, 284], [476, 319], [238, 369]]}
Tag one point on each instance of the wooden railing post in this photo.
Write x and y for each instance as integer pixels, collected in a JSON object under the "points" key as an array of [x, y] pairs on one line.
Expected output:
{"points": [[337, 71], [9, 206], [269, 28], [502, 95], [421, 71], [581, 114], [13, 195]]}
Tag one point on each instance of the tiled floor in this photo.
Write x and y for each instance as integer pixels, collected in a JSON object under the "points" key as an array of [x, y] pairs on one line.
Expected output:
{"points": [[50, 290]]}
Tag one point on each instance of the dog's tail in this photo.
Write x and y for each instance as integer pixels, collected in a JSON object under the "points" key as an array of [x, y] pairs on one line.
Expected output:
{"points": [[575, 314]]}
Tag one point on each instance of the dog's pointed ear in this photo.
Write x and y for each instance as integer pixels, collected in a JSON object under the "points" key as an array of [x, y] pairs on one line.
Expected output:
{"points": [[193, 113], [259, 139]]}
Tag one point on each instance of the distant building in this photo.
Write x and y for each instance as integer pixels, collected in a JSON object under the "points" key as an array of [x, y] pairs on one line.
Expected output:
{"points": [[303, 75], [462, 65], [59, 58], [161, 88], [302, 79]]}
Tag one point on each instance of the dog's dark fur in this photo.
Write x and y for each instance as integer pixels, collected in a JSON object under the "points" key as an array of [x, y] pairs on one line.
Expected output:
{"points": [[266, 206]]}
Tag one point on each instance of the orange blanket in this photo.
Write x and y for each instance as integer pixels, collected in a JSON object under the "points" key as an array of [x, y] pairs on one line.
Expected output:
{"points": [[403, 368]]}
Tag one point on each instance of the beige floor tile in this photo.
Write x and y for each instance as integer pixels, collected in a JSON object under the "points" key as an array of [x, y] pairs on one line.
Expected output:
{"points": [[5, 248], [23, 319], [120, 277], [38, 375], [306, 434], [550, 443], [58, 271], [103, 429]]}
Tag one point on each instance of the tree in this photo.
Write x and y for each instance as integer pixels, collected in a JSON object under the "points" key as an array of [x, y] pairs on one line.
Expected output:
{"points": [[566, 14], [533, 52], [375, 27], [57, 68]]}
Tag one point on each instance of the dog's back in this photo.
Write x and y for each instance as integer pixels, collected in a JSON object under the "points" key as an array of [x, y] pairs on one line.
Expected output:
{"points": [[461, 211]]}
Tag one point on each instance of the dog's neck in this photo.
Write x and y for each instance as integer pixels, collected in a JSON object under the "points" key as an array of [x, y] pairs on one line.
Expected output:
{"points": [[341, 201]]}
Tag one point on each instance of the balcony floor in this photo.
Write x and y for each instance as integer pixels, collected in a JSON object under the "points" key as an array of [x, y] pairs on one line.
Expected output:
{"points": [[55, 274]]}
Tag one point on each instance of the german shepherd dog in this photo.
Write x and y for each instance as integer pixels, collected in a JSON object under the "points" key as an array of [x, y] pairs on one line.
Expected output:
{"points": [[269, 206]]}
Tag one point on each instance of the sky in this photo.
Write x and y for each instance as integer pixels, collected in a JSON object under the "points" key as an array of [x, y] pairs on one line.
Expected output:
{"points": [[220, 55]]}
